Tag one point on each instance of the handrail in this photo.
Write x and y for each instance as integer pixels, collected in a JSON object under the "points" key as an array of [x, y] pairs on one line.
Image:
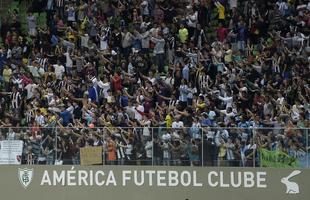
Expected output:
{"points": [[198, 148]]}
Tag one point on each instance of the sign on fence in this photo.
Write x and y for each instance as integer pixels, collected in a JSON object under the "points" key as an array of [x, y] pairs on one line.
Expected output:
{"points": [[11, 152], [277, 159], [91, 155]]}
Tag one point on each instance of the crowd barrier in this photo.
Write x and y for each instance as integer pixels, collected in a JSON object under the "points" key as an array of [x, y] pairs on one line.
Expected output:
{"points": [[156, 146]]}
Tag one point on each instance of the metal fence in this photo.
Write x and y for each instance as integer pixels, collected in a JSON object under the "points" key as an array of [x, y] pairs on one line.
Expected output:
{"points": [[194, 146]]}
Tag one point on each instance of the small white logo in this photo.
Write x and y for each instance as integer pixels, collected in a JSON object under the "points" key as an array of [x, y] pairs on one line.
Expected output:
{"points": [[291, 187], [25, 176]]}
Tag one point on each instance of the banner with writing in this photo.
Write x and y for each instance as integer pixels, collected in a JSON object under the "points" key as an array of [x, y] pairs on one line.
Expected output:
{"points": [[91, 155], [11, 152], [277, 159]]}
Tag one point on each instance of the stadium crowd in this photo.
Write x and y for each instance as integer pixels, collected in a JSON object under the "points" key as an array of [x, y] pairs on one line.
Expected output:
{"points": [[167, 82]]}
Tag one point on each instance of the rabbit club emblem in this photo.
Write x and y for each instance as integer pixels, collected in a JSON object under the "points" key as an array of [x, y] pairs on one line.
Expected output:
{"points": [[291, 187]]}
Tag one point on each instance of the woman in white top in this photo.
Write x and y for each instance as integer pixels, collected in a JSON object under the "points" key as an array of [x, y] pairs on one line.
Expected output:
{"points": [[103, 41], [191, 91]]}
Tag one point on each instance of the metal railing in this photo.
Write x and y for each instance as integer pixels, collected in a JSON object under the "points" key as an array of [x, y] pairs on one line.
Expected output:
{"points": [[193, 146]]}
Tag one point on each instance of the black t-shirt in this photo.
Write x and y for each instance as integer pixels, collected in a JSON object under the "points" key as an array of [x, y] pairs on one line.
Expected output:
{"points": [[253, 75], [77, 112]]}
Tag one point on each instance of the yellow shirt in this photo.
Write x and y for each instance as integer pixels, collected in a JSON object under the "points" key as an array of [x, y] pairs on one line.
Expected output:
{"points": [[43, 111], [228, 56], [201, 105], [221, 11], [222, 152], [7, 73], [183, 35], [168, 121]]}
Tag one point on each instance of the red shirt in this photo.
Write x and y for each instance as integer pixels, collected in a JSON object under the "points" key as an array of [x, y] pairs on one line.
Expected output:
{"points": [[26, 80], [222, 34], [117, 83]]}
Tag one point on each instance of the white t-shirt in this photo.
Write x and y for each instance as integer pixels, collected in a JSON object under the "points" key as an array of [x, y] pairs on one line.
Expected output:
{"points": [[34, 71], [103, 43], [192, 20], [145, 8], [128, 150], [166, 137], [146, 130], [233, 4], [69, 61], [59, 70], [30, 89], [148, 149], [177, 124], [84, 41], [227, 115], [227, 100], [138, 116], [280, 100]]}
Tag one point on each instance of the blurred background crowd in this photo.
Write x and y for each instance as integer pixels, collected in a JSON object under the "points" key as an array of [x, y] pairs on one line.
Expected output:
{"points": [[164, 82]]}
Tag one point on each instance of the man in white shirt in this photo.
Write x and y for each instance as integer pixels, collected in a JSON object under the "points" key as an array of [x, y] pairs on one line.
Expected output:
{"points": [[166, 137], [59, 70], [30, 90], [192, 19], [149, 151], [228, 99], [34, 69], [84, 40], [228, 114], [69, 63], [233, 4], [40, 119], [139, 110], [177, 123]]}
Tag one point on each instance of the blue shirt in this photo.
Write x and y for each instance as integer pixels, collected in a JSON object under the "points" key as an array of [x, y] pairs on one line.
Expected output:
{"points": [[93, 94], [185, 72], [241, 34], [123, 100], [66, 117], [206, 122], [54, 40], [2, 61], [183, 93]]}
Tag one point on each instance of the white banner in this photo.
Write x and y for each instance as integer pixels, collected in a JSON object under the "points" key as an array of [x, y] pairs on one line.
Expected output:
{"points": [[11, 152]]}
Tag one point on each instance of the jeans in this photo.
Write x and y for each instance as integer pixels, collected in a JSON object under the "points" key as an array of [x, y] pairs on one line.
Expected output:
{"points": [[166, 161], [120, 161], [160, 62], [157, 160], [50, 160], [69, 71], [75, 160]]}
